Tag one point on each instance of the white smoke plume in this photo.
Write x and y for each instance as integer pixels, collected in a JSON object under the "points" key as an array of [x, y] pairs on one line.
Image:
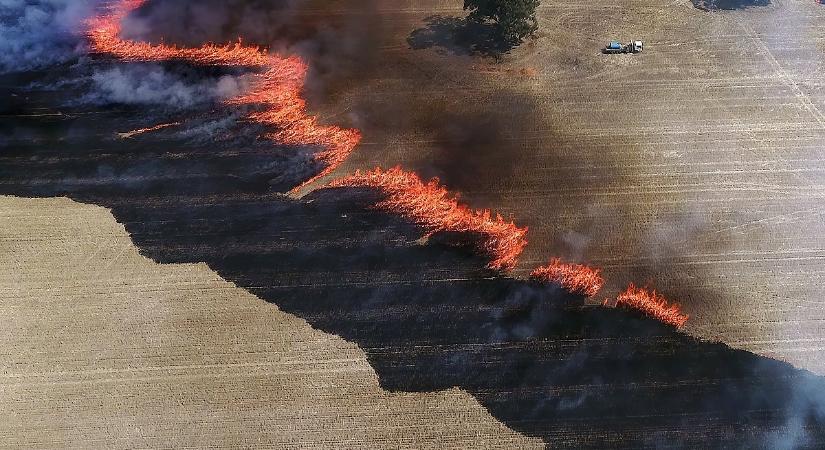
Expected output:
{"points": [[39, 33], [139, 84]]}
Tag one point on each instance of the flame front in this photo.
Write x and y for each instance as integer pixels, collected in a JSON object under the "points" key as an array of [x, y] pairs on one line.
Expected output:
{"points": [[432, 207], [275, 101], [275, 92], [651, 304], [574, 278]]}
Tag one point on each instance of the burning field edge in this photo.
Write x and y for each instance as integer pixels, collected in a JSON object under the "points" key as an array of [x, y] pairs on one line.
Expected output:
{"points": [[277, 104]]}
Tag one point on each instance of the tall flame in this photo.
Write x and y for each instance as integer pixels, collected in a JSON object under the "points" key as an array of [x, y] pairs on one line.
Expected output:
{"points": [[651, 304], [276, 90], [574, 278], [432, 207]]}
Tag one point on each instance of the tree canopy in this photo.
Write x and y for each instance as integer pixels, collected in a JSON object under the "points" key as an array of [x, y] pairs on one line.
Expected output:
{"points": [[515, 19]]}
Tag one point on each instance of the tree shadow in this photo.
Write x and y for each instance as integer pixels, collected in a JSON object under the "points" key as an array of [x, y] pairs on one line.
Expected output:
{"points": [[459, 36], [728, 5]]}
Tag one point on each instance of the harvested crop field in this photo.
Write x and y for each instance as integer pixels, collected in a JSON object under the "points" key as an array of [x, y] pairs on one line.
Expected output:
{"points": [[102, 346]]}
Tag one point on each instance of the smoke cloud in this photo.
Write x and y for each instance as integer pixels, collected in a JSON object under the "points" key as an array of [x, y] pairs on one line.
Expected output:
{"points": [[338, 47], [150, 84], [38, 33]]}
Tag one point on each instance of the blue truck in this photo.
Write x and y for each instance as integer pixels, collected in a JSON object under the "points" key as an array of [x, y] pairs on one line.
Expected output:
{"points": [[615, 47]]}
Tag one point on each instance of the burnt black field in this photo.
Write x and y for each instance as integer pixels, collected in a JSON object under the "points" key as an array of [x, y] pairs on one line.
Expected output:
{"points": [[428, 315]]}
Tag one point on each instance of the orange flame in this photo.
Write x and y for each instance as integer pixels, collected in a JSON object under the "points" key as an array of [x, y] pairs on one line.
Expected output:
{"points": [[574, 278], [276, 91], [651, 304], [432, 207]]}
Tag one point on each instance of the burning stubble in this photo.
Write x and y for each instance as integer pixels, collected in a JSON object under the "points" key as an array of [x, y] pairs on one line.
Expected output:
{"points": [[277, 92], [433, 208]]}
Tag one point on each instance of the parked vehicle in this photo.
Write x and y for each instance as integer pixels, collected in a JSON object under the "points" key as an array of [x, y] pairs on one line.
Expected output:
{"points": [[615, 47]]}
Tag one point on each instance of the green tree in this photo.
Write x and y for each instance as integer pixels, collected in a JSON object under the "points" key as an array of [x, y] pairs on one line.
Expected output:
{"points": [[515, 19]]}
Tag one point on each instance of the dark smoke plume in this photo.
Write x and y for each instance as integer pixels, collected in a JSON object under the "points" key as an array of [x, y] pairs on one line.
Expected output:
{"points": [[337, 46]]}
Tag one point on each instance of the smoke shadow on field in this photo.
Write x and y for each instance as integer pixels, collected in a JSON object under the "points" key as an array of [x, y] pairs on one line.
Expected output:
{"points": [[459, 36], [728, 5]]}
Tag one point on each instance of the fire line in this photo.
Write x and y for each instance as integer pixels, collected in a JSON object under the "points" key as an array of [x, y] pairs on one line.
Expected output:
{"points": [[276, 91], [575, 278], [432, 207], [276, 101], [651, 304]]}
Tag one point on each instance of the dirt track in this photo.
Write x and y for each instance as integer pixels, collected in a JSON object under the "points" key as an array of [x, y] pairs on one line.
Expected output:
{"points": [[102, 347]]}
